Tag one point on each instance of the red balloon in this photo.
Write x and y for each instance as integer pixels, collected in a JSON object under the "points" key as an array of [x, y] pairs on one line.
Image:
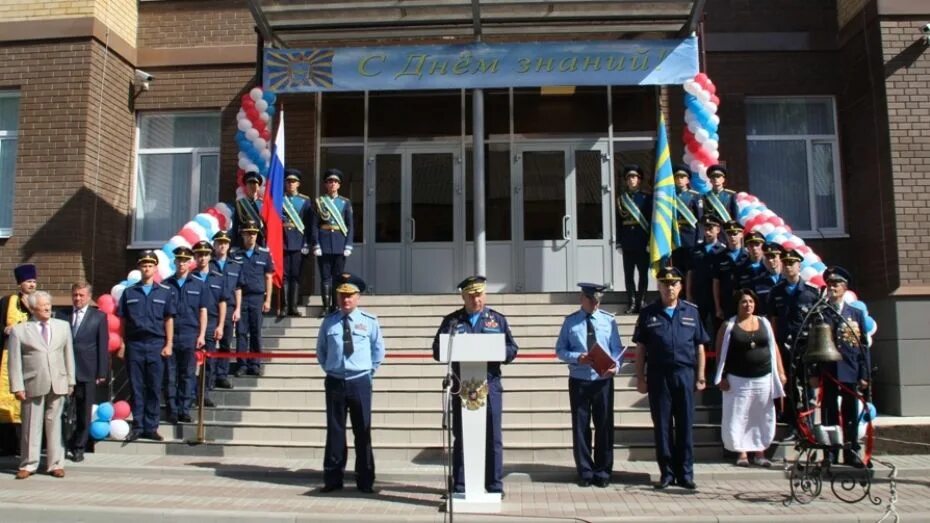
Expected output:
{"points": [[247, 101], [106, 303], [715, 99], [754, 222], [775, 221], [121, 410], [818, 281], [789, 245], [113, 322], [266, 134], [252, 114], [115, 342], [156, 278], [189, 235]]}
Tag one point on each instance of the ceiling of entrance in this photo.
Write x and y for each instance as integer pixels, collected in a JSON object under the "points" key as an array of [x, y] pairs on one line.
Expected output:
{"points": [[295, 23]]}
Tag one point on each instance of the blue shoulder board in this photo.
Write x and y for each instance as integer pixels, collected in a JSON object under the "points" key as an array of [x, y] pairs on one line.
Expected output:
{"points": [[368, 314], [262, 249], [163, 286], [602, 311], [688, 303]]}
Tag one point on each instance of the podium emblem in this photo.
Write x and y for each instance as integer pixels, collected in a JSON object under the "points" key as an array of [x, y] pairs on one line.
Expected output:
{"points": [[474, 393]]}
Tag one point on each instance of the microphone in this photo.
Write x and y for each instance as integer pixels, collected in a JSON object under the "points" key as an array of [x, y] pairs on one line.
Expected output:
{"points": [[453, 327]]}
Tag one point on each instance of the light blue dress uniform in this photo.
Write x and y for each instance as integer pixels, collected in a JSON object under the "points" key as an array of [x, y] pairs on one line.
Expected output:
{"points": [[591, 396]]}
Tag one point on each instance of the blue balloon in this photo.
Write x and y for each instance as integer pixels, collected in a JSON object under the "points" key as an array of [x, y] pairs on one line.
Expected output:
{"points": [[100, 429], [820, 266], [869, 413], [869, 324], [859, 304], [105, 413], [269, 97], [270, 110]]}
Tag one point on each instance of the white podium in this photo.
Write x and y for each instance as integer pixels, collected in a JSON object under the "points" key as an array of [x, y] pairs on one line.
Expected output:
{"points": [[473, 352]]}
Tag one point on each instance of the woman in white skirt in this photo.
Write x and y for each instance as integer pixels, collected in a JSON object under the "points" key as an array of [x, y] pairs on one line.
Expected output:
{"points": [[750, 374]]}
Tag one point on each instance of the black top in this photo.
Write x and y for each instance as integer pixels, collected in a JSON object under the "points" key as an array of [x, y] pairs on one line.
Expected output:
{"points": [[748, 355]]}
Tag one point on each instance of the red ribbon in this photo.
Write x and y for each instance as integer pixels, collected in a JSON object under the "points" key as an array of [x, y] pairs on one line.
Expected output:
{"points": [[869, 428], [426, 355]]}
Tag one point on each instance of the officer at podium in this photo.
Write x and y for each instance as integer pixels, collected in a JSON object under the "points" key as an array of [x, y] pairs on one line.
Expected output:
{"points": [[475, 317], [591, 394]]}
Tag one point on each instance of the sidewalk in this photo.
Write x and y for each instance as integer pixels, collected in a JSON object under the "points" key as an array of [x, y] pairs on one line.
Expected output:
{"points": [[204, 489]]}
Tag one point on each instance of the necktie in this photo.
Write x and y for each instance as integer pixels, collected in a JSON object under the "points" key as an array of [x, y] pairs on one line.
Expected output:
{"points": [[45, 333], [347, 347], [592, 339], [76, 317]]}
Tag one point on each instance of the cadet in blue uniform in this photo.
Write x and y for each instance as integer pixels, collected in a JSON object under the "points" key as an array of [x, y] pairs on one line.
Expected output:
{"points": [[670, 342], [190, 333], [255, 273], [635, 208], [148, 310], [719, 201], [350, 349], [789, 302], [748, 273], [229, 268], [591, 395], [249, 209], [331, 236], [215, 281], [727, 266], [853, 371], [296, 215], [688, 206], [700, 276], [764, 282], [474, 317]]}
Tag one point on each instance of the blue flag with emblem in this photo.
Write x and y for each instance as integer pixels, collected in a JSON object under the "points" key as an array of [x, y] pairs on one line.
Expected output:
{"points": [[664, 238]]}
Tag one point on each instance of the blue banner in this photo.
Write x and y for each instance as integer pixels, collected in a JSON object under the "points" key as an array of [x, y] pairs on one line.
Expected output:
{"points": [[628, 62]]}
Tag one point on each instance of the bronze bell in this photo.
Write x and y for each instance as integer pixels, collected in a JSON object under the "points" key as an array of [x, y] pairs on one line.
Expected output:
{"points": [[820, 346]]}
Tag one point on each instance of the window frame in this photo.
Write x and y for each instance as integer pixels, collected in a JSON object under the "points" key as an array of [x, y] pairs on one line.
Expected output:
{"points": [[839, 231], [197, 153], [5, 135]]}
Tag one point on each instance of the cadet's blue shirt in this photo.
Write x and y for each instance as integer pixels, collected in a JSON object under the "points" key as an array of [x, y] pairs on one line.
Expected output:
{"points": [[252, 270], [215, 282], [670, 342], [573, 340], [230, 270], [191, 296], [490, 321], [849, 335], [367, 343], [145, 315]]}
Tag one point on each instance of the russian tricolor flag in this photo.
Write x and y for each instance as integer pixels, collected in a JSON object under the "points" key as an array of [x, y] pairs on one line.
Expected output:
{"points": [[272, 208]]}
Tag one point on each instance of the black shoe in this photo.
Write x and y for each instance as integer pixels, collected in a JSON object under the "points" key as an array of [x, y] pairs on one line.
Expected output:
{"points": [[223, 384], [631, 309], [207, 402], [852, 460], [664, 483], [496, 491], [185, 418], [367, 490], [154, 436], [330, 488], [78, 456], [322, 313], [584, 483], [792, 436], [134, 435], [687, 483], [601, 482], [294, 313], [172, 419], [239, 372], [253, 372]]}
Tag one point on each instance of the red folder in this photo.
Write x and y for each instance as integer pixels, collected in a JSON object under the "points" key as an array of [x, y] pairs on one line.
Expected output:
{"points": [[601, 360]]}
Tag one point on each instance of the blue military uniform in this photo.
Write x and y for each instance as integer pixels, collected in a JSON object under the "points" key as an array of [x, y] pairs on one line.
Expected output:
{"points": [[350, 349], [634, 238], [297, 214], [144, 309], [331, 233], [702, 266], [253, 265], [248, 210], [215, 282], [230, 269], [788, 304], [690, 201], [485, 321], [671, 338], [727, 267], [591, 395], [192, 295]]}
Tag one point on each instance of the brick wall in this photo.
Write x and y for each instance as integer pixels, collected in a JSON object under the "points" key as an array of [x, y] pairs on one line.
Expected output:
{"points": [[906, 60], [195, 23], [768, 17], [121, 16], [13, 10], [53, 222]]}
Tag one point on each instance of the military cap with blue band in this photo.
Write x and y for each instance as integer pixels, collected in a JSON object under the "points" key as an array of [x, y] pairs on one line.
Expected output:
{"points": [[348, 283], [473, 285]]}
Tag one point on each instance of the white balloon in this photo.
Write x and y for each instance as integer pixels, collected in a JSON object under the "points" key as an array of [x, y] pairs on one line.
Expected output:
{"points": [[715, 154], [711, 144], [178, 241], [252, 134], [242, 156], [260, 143], [240, 115], [698, 167], [266, 154], [693, 127], [252, 168], [117, 293], [265, 117], [711, 106], [164, 270], [261, 105], [702, 135], [134, 276], [808, 273], [243, 163], [119, 429], [197, 229], [244, 124], [850, 296], [691, 87], [703, 96], [256, 94], [689, 117], [716, 119], [766, 228], [687, 157]]}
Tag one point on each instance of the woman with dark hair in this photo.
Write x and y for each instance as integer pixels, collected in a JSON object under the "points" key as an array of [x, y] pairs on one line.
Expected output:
{"points": [[750, 374]]}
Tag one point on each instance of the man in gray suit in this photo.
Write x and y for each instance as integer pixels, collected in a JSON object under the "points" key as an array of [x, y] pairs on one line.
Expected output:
{"points": [[41, 375]]}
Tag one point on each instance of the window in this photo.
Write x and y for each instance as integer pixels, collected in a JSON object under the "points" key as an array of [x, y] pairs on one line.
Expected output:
{"points": [[177, 173], [9, 137], [793, 157]]}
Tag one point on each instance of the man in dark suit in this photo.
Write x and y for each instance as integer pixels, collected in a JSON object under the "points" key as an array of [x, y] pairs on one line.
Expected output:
{"points": [[91, 338]]}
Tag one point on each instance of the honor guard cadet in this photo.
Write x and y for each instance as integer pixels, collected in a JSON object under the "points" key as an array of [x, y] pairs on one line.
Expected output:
{"points": [[635, 208], [789, 302], [719, 201], [249, 209], [699, 279], [148, 310], [726, 269], [687, 206], [474, 317], [670, 342], [215, 282], [853, 371], [331, 235], [193, 299], [229, 268], [255, 273], [350, 349], [296, 215], [590, 394]]}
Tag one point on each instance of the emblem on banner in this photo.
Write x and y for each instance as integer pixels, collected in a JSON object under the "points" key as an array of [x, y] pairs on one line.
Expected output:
{"points": [[474, 394], [305, 68]]}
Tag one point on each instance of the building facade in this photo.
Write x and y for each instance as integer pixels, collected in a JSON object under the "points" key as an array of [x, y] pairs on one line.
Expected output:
{"points": [[824, 116]]}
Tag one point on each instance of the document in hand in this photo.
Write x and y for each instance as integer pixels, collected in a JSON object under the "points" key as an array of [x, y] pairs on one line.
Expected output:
{"points": [[601, 360]]}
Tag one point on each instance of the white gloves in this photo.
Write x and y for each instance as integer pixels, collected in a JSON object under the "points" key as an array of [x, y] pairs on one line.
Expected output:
{"points": [[347, 253], [305, 250], [318, 252]]}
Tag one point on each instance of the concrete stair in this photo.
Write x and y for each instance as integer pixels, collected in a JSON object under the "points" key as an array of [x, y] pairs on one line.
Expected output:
{"points": [[282, 414]]}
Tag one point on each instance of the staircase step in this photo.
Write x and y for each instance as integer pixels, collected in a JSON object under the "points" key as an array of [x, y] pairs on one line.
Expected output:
{"points": [[492, 300], [422, 343]]}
